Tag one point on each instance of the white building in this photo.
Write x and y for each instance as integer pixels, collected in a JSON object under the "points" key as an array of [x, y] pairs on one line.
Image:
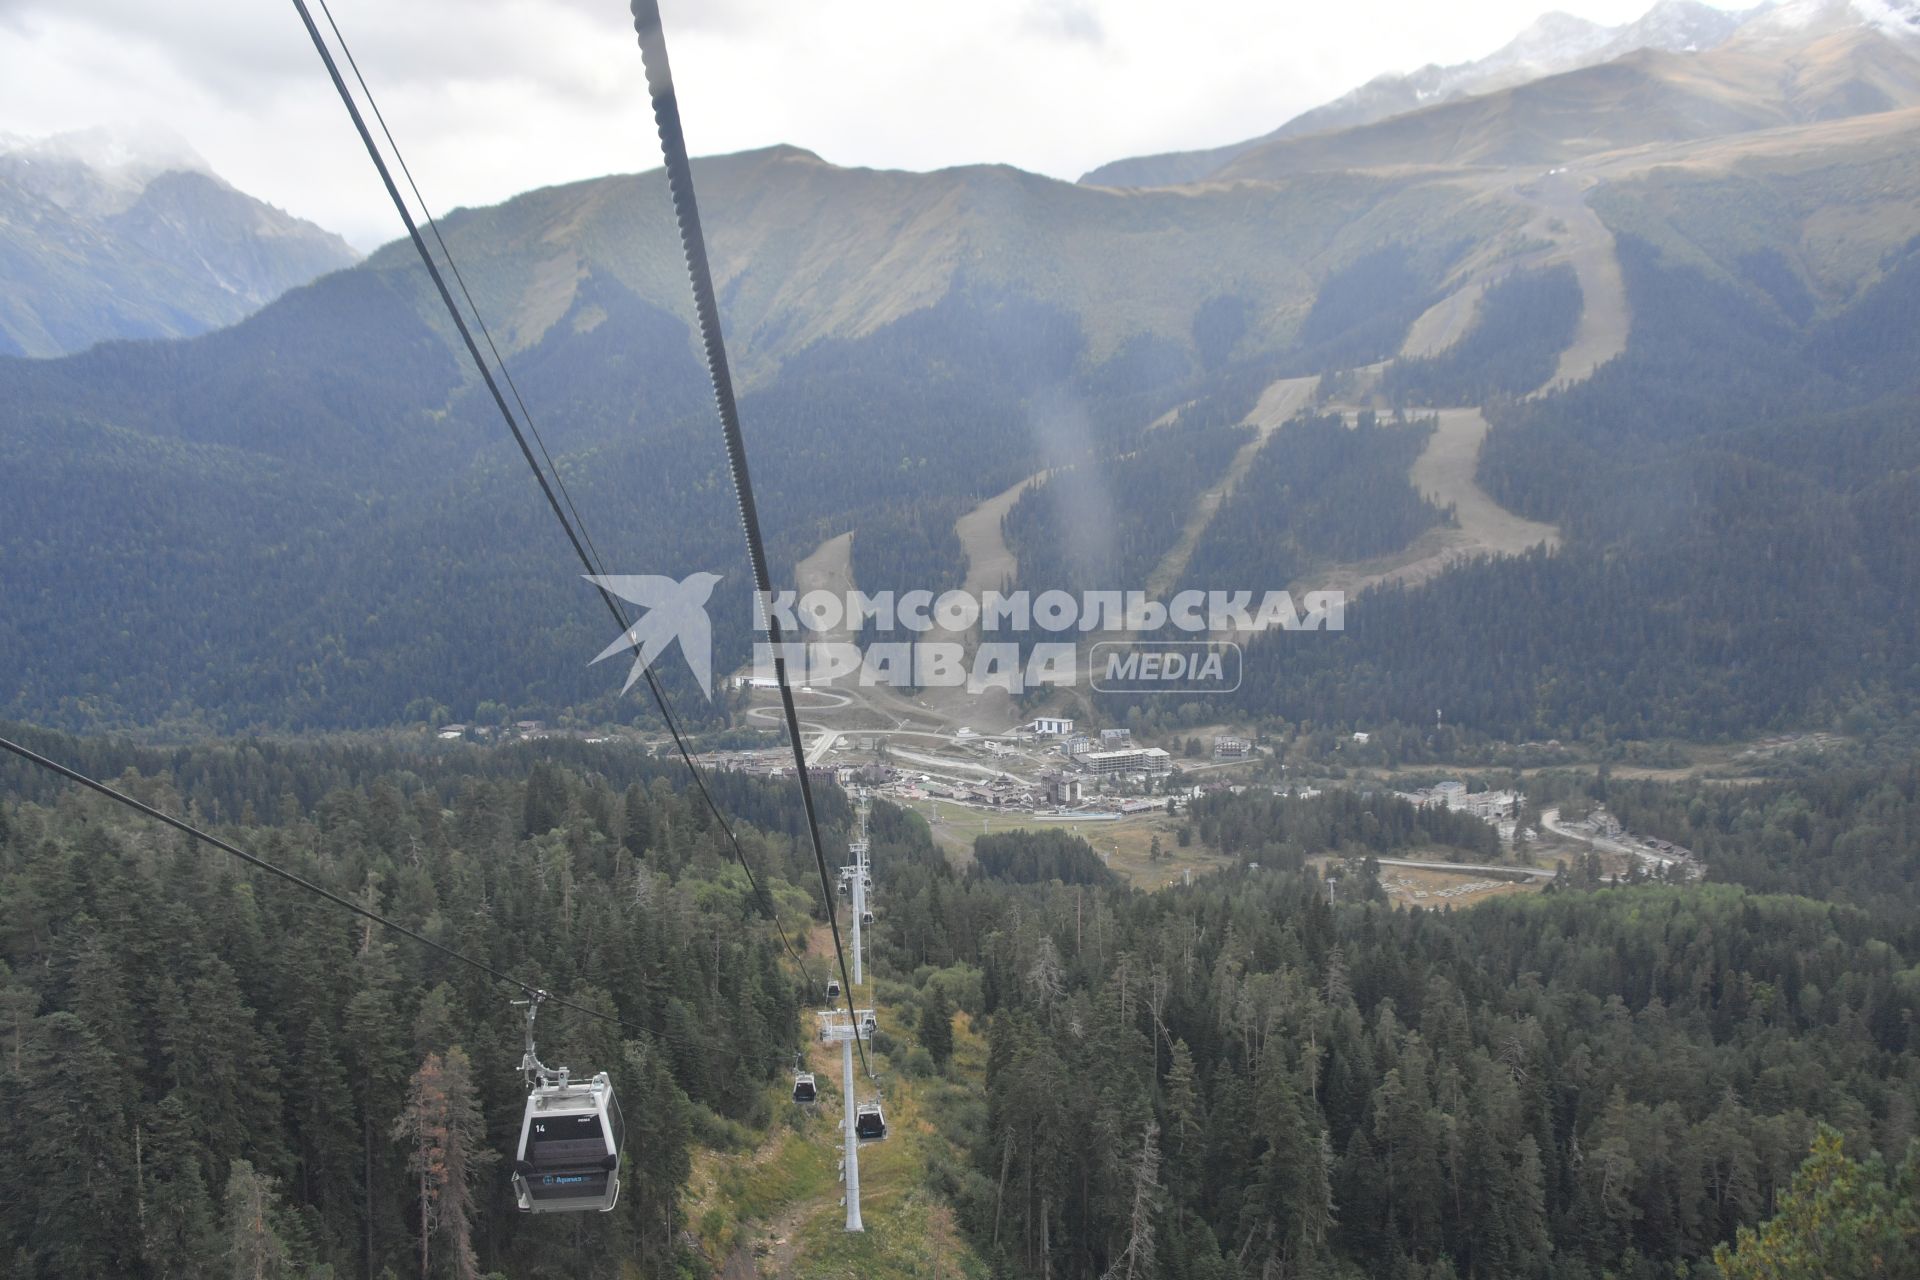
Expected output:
{"points": [[1489, 806], [1130, 760], [1050, 726]]}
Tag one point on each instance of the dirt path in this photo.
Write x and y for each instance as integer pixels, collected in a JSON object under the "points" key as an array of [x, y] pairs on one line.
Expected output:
{"points": [[829, 568], [854, 708], [1277, 404], [1444, 474], [991, 563], [1445, 322], [1588, 246]]}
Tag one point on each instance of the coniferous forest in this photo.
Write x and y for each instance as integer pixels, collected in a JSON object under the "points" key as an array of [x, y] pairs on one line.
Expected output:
{"points": [[1240, 1077], [200, 1062], [1552, 915]]}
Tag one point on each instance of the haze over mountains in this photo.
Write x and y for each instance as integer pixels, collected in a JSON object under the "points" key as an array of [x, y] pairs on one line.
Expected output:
{"points": [[104, 239], [309, 518]]}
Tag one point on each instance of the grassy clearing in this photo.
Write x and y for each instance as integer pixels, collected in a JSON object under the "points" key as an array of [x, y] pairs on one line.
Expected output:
{"points": [[1127, 842], [776, 1211], [1409, 886]]}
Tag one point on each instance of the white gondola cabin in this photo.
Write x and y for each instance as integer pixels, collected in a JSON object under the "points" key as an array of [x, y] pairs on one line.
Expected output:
{"points": [[804, 1089], [870, 1123], [568, 1160]]}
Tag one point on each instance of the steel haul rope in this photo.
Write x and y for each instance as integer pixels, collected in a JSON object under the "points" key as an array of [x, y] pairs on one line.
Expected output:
{"points": [[686, 209], [578, 539]]}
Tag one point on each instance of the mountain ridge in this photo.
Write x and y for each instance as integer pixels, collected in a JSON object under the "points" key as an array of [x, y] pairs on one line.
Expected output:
{"points": [[906, 346], [103, 242], [1647, 96], [1555, 44]]}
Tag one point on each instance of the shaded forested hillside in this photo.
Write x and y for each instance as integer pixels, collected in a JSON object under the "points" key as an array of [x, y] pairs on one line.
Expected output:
{"points": [[200, 1063]]}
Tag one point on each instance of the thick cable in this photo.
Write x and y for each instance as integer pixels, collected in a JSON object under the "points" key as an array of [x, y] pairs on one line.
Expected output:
{"points": [[459, 278], [686, 209], [587, 556]]}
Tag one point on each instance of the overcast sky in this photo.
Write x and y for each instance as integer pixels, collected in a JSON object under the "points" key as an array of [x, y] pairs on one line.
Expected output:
{"points": [[492, 97]]}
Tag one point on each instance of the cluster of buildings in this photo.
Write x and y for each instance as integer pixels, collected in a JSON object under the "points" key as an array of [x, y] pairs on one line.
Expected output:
{"points": [[1488, 806], [518, 731], [1609, 832], [1115, 754], [1147, 760], [996, 793]]}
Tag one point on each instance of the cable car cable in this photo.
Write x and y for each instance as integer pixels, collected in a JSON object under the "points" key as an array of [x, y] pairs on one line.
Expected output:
{"points": [[294, 878], [588, 558], [673, 148], [433, 225]]}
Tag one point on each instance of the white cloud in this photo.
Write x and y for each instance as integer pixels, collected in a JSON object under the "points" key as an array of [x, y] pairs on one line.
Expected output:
{"points": [[492, 97]]}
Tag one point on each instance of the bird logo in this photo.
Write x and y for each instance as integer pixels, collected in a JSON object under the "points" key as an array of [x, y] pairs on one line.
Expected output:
{"points": [[675, 611]]}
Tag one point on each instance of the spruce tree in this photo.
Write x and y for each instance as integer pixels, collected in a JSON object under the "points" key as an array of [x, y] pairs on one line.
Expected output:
{"points": [[936, 1026]]}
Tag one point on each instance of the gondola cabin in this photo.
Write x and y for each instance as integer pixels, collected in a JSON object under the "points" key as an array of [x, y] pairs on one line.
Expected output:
{"points": [[804, 1089], [866, 917], [869, 1123], [570, 1143], [833, 988]]}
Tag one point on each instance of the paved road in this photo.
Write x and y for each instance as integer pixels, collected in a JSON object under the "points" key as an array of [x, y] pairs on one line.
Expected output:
{"points": [[1550, 820], [1536, 873]]}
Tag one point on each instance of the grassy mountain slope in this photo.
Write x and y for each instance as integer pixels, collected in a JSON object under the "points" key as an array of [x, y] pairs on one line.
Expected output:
{"points": [[1645, 97], [911, 344], [805, 251], [1553, 43]]}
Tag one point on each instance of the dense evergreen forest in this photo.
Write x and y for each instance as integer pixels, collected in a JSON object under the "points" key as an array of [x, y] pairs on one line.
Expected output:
{"points": [[301, 549], [1362, 312], [297, 549], [1851, 836], [1103, 525], [1739, 502], [1281, 832], [1523, 323], [1239, 1080], [200, 1064], [1318, 491], [1235, 1079]]}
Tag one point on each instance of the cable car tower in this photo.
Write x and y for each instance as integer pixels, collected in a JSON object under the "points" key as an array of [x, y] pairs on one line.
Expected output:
{"points": [[856, 880], [836, 1028]]}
